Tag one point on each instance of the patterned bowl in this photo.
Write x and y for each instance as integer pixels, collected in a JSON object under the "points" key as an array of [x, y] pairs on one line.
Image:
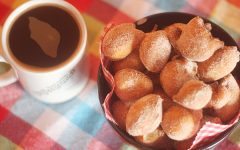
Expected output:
{"points": [[162, 20]]}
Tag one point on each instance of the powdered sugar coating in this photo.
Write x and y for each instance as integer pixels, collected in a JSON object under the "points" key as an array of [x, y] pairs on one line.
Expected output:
{"points": [[145, 115], [120, 110], [131, 61], [194, 94], [219, 65], [121, 40], [180, 123], [221, 95], [156, 139], [196, 42], [228, 111], [175, 74], [132, 84], [173, 32], [155, 50]]}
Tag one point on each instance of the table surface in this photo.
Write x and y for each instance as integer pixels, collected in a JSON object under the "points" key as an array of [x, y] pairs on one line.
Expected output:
{"points": [[26, 123]]}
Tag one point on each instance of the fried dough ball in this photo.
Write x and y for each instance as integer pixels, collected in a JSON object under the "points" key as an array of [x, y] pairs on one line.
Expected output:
{"points": [[120, 110], [155, 50], [167, 102], [221, 95], [175, 74], [121, 40], [196, 42], [173, 32], [230, 110], [208, 26], [208, 111], [145, 115], [180, 123], [220, 64], [131, 84], [194, 94], [184, 145], [154, 77], [156, 139], [132, 61], [211, 119]]}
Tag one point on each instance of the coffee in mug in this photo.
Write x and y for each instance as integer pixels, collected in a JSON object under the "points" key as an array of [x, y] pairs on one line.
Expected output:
{"points": [[45, 43], [44, 37]]}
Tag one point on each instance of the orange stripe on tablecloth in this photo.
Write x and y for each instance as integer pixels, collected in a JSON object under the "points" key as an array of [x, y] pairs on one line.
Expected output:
{"points": [[93, 48], [107, 13], [94, 65], [235, 2], [18, 3], [7, 2], [6, 144], [227, 14], [205, 6], [94, 27]]}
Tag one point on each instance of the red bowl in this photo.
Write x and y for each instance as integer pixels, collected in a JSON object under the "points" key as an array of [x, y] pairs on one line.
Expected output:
{"points": [[163, 20]]}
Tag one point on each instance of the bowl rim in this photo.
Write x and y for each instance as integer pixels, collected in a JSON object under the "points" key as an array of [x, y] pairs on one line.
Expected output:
{"points": [[130, 140]]}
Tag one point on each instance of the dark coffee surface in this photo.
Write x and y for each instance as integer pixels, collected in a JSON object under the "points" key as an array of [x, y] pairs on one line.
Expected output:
{"points": [[28, 51]]}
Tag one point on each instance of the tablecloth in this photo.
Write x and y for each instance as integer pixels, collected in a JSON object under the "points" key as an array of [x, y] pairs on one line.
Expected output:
{"points": [[26, 123]]}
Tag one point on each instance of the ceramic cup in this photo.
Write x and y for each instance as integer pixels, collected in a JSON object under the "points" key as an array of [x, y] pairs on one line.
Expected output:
{"points": [[51, 84]]}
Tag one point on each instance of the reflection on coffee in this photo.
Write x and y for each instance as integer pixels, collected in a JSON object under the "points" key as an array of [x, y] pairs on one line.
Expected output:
{"points": [[47, 37], [44, 37]]}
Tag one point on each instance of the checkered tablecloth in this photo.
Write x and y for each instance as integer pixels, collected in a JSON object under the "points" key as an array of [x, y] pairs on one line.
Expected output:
{"points": [[79, 124]]}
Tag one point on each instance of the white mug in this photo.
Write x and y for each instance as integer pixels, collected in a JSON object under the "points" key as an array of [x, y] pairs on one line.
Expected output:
{"points": [[55, 84]]}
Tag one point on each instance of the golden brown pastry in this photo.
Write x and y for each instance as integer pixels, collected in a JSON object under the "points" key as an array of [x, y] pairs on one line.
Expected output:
{"points": [[221, 95], [154, 77], [156, 139], [208, 111], [131, 84], [230, 110], [121, 40], [155, 50], [132, 61], [219, 65], [180, 123], [208, 26], [211, 119], [173, 32], [120, 110], [145, 115], [196, 42], [194, 69], [184, 145], [175, 74], [167, 101], [194, 94]]}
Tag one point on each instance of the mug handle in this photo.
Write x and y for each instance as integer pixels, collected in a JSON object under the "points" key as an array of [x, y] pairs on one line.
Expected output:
{"points": [[8, 77]]}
